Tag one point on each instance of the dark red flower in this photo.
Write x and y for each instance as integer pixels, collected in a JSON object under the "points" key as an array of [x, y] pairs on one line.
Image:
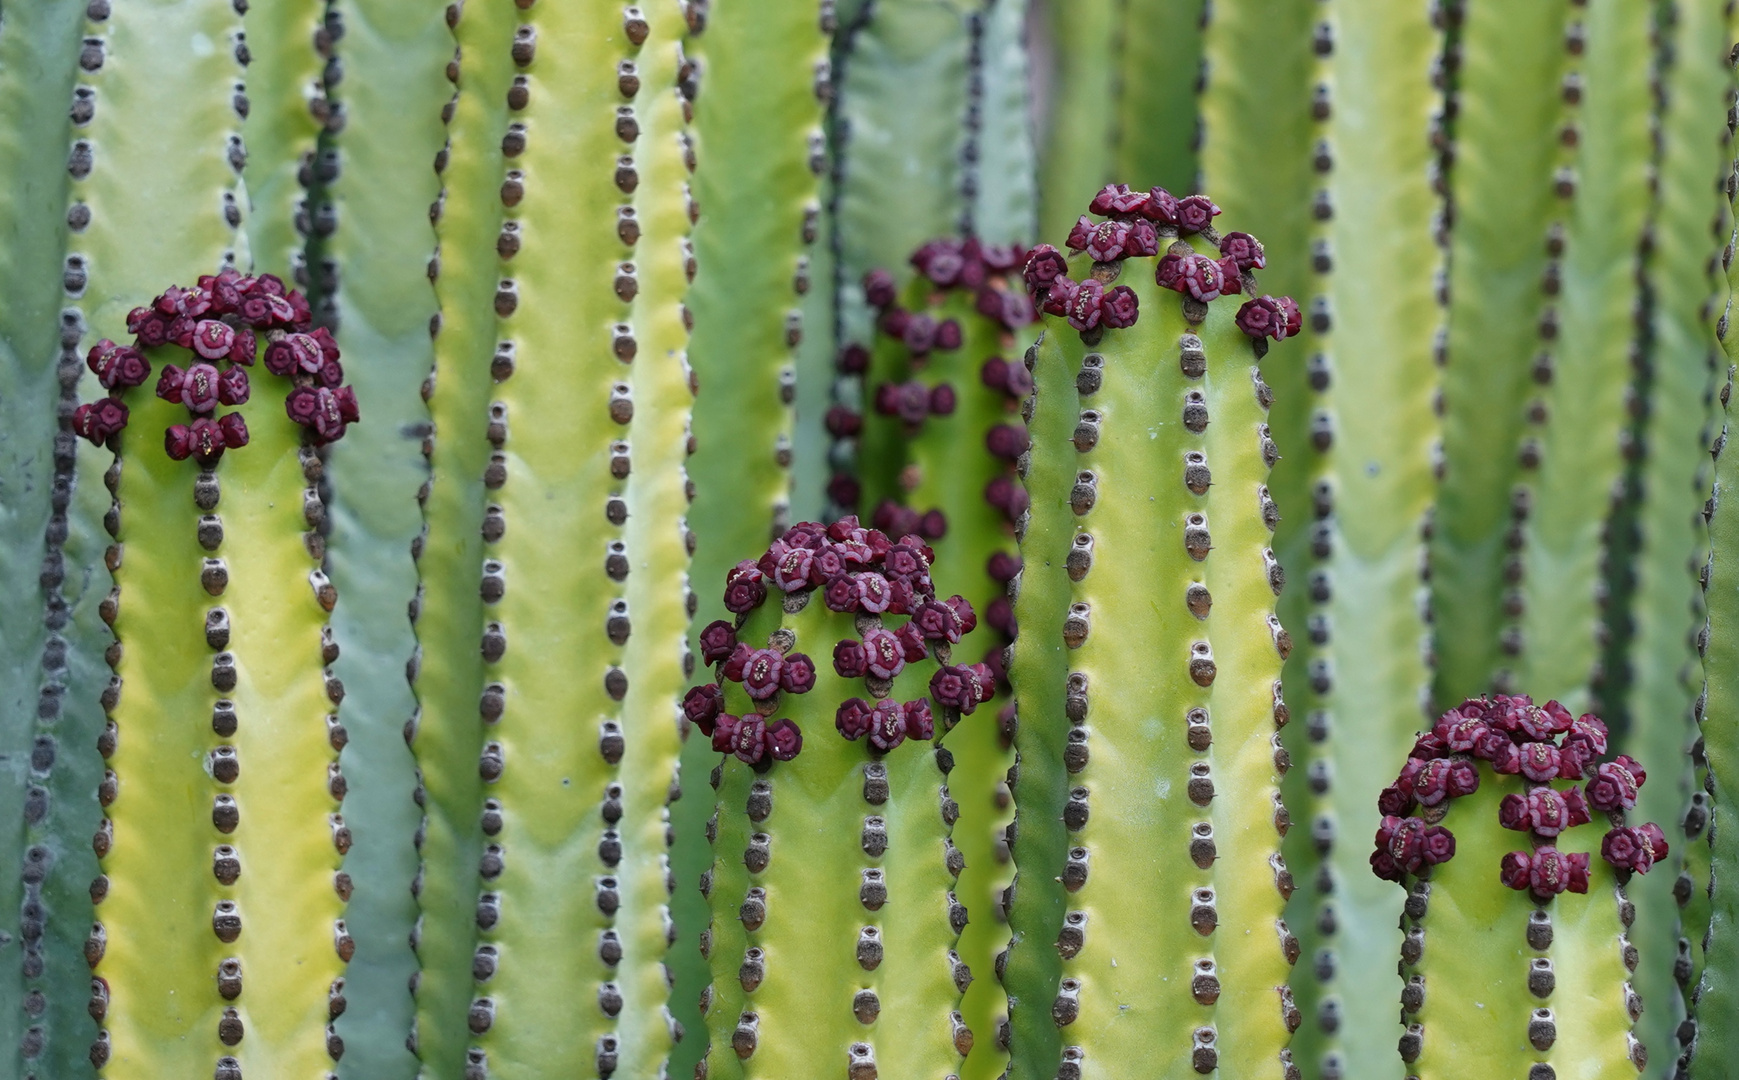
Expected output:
{"points": [[199, 388], [912, 642], [1549, 872], [749, 743], [1007, 441], [761, 673], [933, 525], [1460, 733], [1201, 277], [1589, 730], [843, 423], [1516, 870], [212, 339], [99, 420], [1045, 265], [878, 288], [784, 740], [1230, 280], [919, 334], [1002, 566], [1291, 320], [1431, 785], [884, 655], [234, 429], [854, 359], [745, 588], [702, 705], [1539, 761], [792, 569], [1080, 233], [1612, 788], [954, 686], [918, 722], [1394, 802], [1429, 747], [1437, 845], [232, 386], [1168, 272], [849, 659], [1142, 240], [1463, 778], [1195, 213], [1120, 308], [1060, 296], [887, 726], [797, 676], [1383, 865], [1086, 307], [853, 718], [717, 641], [1105, 241], [947, 335], [1245, 250], [1117, 199], [1161, 207], [942, 401], [941, 261], [738, 662]]}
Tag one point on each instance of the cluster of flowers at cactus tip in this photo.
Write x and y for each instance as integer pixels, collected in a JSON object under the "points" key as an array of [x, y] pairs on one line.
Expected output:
{"points": [[854, 571], [1133, 225], [221, 321], [1539, 744]]}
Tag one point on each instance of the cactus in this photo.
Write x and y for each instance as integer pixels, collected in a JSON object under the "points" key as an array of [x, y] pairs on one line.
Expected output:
{"points": [[1516, 962], [374, 291], [1188, 700], [834, 847], [289, 59]]}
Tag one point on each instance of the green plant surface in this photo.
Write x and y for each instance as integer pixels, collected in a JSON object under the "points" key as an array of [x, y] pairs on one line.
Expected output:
{"points": [[1163, 50], [1005, 200], [392, 98], [448, 667], [567, 875], [288, 43], [814, 981], [1666, 606], [1359, 679], [51, 571], [1151, 673], [1075, 57], [1507, 152]]}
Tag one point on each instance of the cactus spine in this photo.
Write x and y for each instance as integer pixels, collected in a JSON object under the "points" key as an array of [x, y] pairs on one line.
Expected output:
{"points": [[1186, 697], [374, 289], [447, 670], [838, 852]]}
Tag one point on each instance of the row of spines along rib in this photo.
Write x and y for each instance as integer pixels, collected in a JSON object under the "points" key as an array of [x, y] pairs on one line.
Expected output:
{"points": [[1660, 671], [572, 912], [835, 915], [219, 695], [1711, 917], [1360, 679], [371, 179], [1180, 874], [760, 137], [1495, 983]]}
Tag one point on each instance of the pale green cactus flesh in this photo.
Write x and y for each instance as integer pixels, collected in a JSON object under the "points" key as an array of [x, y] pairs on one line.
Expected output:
{"points": [[1358, 513], [219, 701], [376, 176], [290, 49], [835, 920], [1508, 189], [1171, 882]]}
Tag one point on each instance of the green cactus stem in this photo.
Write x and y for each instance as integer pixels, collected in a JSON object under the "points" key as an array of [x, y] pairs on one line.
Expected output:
{"points": [[51, 570], [1516, 960], [446, 733], [290, 56], [1162, 892], [574, 872], [377, 296], [832, 942], [1511, 177], [1359, 511], [1004, 204]]}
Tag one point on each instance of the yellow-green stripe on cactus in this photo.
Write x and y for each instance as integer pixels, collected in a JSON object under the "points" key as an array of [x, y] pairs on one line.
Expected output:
{"points": [[1515, 960], [1162, 893], [584, 618], [832, 941]]}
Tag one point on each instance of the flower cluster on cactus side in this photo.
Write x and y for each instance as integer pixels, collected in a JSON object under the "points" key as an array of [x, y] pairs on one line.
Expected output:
{"points": [[1135, 222], [855, 571], [1539, 744], [220, 321]]}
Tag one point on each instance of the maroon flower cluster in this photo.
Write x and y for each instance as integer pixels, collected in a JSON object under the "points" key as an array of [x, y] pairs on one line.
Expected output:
{"points": [[852, 570], [1540, 744], [220, 321], [1143, 223]]}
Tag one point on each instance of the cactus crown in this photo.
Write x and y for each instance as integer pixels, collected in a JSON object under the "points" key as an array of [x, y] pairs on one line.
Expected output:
{"points": [[1539, 744]]}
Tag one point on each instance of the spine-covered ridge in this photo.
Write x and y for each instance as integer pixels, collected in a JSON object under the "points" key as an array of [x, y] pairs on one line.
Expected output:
{"points": [[836, 912], [1564, 1005], [1164, 720]]}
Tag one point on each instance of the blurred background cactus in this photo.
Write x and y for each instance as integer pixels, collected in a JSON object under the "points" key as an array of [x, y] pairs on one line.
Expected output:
{"points": [[398, 399]]}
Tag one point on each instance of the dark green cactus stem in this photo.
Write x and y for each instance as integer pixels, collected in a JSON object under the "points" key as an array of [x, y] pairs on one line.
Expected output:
{"points": [[832, 942], [1589, 328], [1358, 512], [1508, 188], [51, 546], [289, 47], [447, 670], [574, 875], [1663, 675], [379, 296], [1005, 201], [1161, 895], [219, 704], [1516, 959]]}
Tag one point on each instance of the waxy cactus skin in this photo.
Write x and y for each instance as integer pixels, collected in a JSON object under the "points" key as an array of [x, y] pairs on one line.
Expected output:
{"points": [[834, 912], [1165, 902], [290, 56]]}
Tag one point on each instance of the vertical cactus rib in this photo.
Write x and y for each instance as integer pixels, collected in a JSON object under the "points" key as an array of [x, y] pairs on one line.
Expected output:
{"points": [[1075, 60], [1360, 508], [1508, 188], [50, 565], [574, 873], [1172, 880], [447, 670], [1004, 194], [1160, 68], [1589, 329], [376, 174], [290, 56], [1663, 672]]}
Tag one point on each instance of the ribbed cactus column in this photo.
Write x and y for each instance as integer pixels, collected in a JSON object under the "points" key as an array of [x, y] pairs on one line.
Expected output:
{"points": [[446, 672], [1360, 679], [835, 920], [219, 944], [1527, 976], [585, 619], [376, 177], [290, 55], [1510, 176], [1169, 886], [51, 545]]}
